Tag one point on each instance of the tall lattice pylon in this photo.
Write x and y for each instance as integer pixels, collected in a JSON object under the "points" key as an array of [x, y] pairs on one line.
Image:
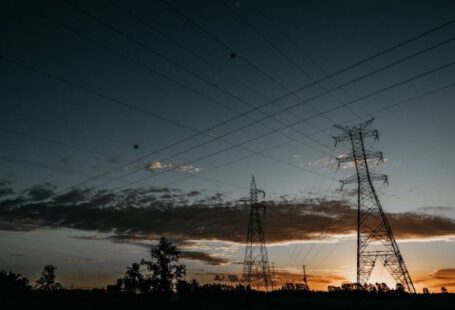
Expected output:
{"points": [[375, 240], [256, 268]]}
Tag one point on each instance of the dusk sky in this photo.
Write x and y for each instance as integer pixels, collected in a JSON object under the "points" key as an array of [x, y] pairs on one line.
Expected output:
{"points": [[124, 121]]}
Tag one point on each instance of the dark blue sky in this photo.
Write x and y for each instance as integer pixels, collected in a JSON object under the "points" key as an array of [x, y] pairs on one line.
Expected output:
{"points": [[155, 62], [198, 87]]}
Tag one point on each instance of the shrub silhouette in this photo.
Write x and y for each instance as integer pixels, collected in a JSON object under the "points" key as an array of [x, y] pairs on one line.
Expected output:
{"points": [[12, 282]]}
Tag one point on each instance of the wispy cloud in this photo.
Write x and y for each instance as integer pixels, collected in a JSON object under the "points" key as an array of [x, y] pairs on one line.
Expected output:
{"points": [[84, 260], [204, 257], [438, 278], [156, 165], [5, 188], [332, 162]]}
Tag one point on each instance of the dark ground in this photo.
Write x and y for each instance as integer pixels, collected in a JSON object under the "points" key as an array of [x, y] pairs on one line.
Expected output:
{"points": [[76, 299]]}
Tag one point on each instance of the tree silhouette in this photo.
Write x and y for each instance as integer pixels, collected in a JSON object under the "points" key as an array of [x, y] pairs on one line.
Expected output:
{"points": [[47, 280], [290, 286], [12, 282], [163, 268], [382, 287], [134, 281], [400, 288]]}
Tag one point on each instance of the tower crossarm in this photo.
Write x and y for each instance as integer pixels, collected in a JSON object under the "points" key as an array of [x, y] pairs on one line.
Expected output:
{"points": [[360, 130], [379, 177], [350, 180], [367, 155], [373, 177]]}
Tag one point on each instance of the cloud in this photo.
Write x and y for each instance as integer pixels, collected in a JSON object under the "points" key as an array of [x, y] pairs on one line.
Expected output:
{"points": [[5, 188], [145, 212], [84, 261], [194, 193], [314, 281], [188, 169], [155, 165], [439, 278], [204, 257], [448, 212], [41, 191], [73, 197], [325, 162], [231, 278], [144, 241], [332, 162]]}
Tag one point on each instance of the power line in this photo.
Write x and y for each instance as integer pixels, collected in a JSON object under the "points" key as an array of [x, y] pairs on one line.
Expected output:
{"points": [[285, 56], [303, 53], [63, 126], [308, 253], [391, 106], [181, 67], [316, 254], [53, 252], [130, 59], [154, 29], [338, 87], [278, 99], [157, 54], [98, 94], [330, 76], [407, 80], [93, 92], [148, 68], [240, 56], [52, 141], [440, 68], [363, 76], [72, 246], [328, 255], [231, 162], [28, 163], [34, 164]]}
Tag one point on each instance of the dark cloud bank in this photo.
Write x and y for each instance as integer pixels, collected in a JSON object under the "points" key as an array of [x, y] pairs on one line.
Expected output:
{"points": [[156, 211]]}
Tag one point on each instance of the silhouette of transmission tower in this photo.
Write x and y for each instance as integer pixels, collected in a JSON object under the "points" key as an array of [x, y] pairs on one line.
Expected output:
{"points": [[256, 268], [375, 240]]}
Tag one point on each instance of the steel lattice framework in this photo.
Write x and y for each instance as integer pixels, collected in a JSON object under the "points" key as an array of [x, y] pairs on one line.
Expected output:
{"points": [[375, 240], [256, 268]]}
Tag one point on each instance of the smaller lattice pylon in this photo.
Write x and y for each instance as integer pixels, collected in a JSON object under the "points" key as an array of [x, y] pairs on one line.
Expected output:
{"points": [[256, 268]]}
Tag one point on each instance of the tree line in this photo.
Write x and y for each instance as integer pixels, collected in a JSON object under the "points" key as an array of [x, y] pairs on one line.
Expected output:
{"points": [[163, 274]]}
